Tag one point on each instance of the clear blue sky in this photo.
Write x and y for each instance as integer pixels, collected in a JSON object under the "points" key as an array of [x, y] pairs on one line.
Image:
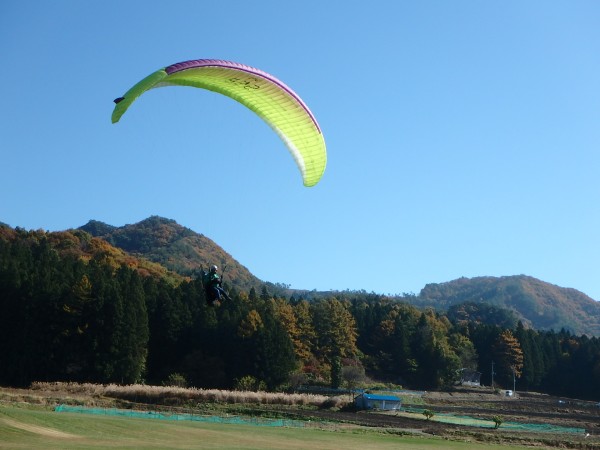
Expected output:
{"points": [[463, 136]]}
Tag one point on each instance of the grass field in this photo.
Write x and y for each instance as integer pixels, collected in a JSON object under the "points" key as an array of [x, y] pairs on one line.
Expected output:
{"points": [[38, 427]]}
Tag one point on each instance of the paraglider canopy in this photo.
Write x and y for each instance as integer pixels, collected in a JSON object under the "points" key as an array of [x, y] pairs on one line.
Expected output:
{"points": [[277, 104]]}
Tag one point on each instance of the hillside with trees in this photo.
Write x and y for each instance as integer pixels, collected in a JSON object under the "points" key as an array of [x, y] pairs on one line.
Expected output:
{"points": [[537, 304], [75, 308], [173, 246]]}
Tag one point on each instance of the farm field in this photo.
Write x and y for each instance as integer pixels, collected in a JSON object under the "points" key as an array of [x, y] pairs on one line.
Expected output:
{"points": [[39, 427], [462, 419]]}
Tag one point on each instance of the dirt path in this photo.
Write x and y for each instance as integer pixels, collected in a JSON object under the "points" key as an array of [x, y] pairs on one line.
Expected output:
{"points": [[42, 431]]}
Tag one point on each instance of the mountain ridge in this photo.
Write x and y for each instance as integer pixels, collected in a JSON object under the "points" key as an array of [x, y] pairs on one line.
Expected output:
{"points": [[537, 303], [172, 250]]}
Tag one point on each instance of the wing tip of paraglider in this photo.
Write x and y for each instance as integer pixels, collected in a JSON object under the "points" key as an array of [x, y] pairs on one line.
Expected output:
{"points": [[115, 115], [313, 181]]}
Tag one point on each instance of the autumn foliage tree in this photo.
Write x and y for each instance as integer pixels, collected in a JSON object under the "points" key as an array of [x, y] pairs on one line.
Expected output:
{"points": [[508, 356]]}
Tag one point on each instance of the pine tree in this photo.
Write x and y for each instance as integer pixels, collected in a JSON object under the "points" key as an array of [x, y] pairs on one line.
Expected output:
{"points": [[134, 326], [336, 331], [275, 357], [437, 363]]}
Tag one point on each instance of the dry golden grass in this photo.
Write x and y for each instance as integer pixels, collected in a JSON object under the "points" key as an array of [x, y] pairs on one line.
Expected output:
{"points": [[172, 394]]}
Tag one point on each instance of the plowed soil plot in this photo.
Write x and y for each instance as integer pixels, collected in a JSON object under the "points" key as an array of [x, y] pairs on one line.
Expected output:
{"points": [[528, 418]]}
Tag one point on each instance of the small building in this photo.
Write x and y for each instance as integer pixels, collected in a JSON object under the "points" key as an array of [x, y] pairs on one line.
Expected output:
{"points": [[382, 402], [469, 377]]}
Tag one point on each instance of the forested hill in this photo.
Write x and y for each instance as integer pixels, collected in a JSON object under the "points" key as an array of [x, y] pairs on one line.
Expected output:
{"points": [[175, 247], [165, 249], [536, 303], [79, 245], [541, 305]]}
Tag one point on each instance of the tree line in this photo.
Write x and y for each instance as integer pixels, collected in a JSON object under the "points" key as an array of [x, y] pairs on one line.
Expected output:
{"points": [[68, 318]]}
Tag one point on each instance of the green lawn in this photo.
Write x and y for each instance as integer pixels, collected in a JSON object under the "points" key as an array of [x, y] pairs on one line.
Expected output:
{"points": [[40, 428]]}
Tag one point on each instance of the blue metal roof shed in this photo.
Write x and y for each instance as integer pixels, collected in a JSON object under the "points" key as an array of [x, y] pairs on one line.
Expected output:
{"points": [[373, 401]]}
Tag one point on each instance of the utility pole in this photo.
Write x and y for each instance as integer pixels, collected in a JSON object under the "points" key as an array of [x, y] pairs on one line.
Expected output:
{"points": [[514, 382], [492, 375]]}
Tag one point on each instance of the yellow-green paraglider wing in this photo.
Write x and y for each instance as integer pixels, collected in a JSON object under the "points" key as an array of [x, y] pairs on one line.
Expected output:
{"points": [[264, 94]]}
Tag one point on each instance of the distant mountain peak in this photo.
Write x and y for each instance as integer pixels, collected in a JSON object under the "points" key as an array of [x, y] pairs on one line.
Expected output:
{"points": [[159, 220], [97, 228]]}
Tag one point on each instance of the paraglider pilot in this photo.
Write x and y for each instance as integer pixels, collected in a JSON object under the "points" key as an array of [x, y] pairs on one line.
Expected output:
{"points": [[213, 286]]}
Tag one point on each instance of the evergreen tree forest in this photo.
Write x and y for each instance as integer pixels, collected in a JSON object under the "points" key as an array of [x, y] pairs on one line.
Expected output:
{"points": [[65, 316]]}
